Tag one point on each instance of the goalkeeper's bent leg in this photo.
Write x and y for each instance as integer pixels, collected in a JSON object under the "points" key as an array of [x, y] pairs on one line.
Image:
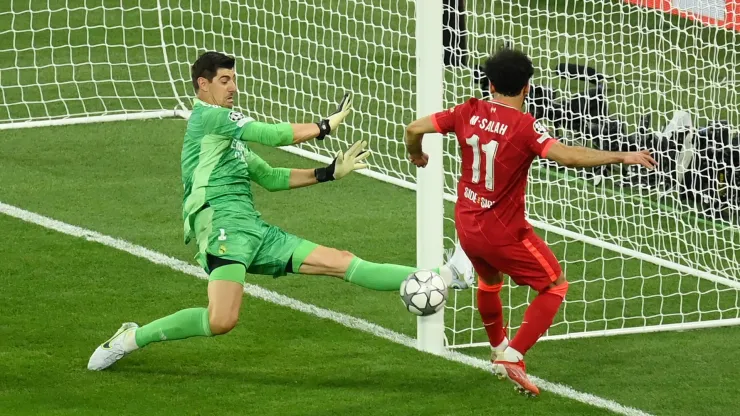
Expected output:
{"points": [[224, 293], [182, 324], [310, 258]]}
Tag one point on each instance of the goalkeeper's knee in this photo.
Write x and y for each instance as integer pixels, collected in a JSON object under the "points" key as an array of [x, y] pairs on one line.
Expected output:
{"points": [[224, 297]]}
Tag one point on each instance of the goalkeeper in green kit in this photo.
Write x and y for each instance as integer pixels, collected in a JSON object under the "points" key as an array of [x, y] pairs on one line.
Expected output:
{"points": [[218, 168]]}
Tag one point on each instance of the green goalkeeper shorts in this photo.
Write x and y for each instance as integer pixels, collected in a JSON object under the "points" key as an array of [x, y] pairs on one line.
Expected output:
{"points": [[227, 232]]}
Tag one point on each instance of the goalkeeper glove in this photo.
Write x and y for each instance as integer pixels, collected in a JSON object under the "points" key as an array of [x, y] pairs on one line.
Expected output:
{"points": [[330, 124], [344, 163]]}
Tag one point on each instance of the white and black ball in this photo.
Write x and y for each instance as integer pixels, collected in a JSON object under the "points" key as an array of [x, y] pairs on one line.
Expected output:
{"points": [[424, 293]]}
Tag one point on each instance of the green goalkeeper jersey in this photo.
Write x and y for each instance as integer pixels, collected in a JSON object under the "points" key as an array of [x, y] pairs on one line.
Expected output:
{"points": [[218, 166]]}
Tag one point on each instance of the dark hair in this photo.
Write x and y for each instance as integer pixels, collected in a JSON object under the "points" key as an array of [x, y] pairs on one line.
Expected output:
{"points": [[509, 71], [208, 64]]}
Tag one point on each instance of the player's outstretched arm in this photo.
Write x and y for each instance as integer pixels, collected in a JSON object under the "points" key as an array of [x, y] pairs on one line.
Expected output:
{"points": [[414, 134], [284, 134], [280, 179], [582, 157], [343, 163]]}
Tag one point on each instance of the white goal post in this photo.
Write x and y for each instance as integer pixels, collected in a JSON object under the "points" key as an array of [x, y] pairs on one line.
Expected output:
{"points": [[643, 253]]}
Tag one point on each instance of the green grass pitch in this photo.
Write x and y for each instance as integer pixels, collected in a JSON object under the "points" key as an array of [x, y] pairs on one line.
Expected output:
{"points": [[61, 296]]}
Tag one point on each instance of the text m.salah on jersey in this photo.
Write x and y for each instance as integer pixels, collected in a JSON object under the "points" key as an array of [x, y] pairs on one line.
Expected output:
{"points": [[491, 126]]}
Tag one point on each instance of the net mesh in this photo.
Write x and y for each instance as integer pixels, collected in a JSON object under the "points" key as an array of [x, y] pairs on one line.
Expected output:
{"points": [[648, 70]]}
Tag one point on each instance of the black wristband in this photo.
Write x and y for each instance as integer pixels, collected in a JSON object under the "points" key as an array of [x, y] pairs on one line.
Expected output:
{"points": [[326, 173], [322, 175], [324, 129]]}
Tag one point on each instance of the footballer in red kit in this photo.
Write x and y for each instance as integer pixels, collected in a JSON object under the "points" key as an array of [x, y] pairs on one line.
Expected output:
{"points": [[498, 143]]}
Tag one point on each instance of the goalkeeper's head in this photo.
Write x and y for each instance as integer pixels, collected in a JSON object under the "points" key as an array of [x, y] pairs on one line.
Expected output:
{"points": [[509, 72], [214, 79]]}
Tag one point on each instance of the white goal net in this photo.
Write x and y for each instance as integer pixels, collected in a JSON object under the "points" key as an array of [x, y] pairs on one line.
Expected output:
{"points": [[642, 252]]}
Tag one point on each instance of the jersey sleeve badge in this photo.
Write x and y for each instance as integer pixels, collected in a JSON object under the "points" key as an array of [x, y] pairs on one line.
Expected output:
{"points": [[236, 116], [540, 128]]}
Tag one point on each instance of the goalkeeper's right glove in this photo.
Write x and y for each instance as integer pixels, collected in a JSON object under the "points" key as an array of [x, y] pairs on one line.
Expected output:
{"points": [[330, 124], [344, 163]]}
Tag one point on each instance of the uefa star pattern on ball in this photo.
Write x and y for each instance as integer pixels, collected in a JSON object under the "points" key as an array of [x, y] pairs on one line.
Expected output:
{"points": [[424, 293]]}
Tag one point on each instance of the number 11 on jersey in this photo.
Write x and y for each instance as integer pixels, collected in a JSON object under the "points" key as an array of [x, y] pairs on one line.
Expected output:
{"points": [[489, 151]]}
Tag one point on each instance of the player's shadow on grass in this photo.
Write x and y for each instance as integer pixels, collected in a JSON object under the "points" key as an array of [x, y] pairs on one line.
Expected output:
{"points": [[307, 377]]}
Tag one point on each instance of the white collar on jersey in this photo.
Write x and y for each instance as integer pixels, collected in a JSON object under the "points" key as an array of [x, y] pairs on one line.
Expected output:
{"points": [[492, 101]]}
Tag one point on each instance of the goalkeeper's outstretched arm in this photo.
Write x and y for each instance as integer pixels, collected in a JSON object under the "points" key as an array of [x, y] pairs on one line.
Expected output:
{"points": [[284, 134], [280, 179]]}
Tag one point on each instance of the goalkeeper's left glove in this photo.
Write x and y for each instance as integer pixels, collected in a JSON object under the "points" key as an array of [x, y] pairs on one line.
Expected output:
{"points": [[344, 163], [330, 124]]}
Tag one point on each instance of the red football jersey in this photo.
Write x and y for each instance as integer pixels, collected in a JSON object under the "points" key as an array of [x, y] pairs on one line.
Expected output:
{"points": [[498, 144]]}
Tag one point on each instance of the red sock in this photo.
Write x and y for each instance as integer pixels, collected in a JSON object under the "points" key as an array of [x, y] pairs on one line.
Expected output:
{"points": [[538, 318], [491, 311]]}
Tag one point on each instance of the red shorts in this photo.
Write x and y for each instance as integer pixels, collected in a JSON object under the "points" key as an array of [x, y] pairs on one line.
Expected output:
{"points": [[529, 262]]}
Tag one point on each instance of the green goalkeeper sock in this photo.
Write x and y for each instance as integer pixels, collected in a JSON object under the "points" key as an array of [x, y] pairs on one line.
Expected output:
{"points": [[376, 276], [183, 324]]}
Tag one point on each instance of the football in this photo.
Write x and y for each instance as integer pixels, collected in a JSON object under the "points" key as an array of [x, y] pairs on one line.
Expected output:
{"points": [[424, 293]]}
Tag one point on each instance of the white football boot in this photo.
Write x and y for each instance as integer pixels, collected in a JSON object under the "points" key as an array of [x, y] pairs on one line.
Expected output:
{"points": [[498, 352], [118, 346], [463, 273]]}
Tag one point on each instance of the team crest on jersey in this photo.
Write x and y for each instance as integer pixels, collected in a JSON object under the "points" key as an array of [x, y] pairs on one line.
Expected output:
{"points": [[236, 116], [540, 128]]}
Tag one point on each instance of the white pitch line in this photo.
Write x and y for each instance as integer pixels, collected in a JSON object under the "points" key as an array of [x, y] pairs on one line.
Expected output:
{"points": [[278, 299]]}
